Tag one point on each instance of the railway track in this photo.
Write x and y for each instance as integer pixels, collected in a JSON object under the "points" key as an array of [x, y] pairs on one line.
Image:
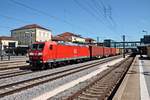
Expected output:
{"points": [[104, 85], [25, 84], [9, 74], [12, 65], [22, 66], [12, 61]]}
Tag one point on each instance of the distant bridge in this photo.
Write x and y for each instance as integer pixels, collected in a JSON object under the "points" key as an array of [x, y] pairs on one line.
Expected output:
{"points": [[128, 44]]}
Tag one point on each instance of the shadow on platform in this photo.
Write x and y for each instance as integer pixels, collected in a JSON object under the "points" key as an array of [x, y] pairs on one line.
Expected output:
{"points": [[132, 72], [146, 73], [144, 58]]}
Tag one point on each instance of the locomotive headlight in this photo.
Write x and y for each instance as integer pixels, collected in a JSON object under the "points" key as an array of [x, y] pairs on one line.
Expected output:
{"points": [[40, 54], [31, 54]]}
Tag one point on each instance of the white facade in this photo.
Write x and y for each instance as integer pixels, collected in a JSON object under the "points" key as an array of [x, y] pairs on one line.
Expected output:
{"points": [[43, 35], [5, 43], [78, 39], [28, 36]]}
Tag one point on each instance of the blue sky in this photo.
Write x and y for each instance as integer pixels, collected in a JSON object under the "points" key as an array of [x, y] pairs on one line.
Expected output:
{"points": [[89, 18]]}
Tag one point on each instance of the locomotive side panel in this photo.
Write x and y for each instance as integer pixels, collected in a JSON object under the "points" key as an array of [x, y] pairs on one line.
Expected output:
{"points": [[66, 52], [49, 51], [69, 52]]}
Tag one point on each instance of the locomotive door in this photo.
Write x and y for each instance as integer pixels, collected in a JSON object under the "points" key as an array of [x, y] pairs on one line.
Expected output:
{"points": [[52, 49], [75, 52]]}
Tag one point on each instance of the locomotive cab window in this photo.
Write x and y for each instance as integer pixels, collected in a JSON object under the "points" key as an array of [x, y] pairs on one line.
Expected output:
{"points": [[37, 46], [51, 47]]}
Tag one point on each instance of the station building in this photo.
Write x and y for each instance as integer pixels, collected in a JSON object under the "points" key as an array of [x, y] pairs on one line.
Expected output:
{"points": [[28, 34]]}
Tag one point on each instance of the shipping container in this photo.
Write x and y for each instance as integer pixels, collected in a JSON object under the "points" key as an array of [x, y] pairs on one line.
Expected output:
{"points": [[107, 51], [148, 51], [97, 51]]}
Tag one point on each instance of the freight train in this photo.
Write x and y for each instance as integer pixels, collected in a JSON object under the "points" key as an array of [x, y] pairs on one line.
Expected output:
{"points": [[46, 54]]}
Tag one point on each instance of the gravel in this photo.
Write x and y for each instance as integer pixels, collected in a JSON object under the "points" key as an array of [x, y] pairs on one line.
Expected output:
{"points": [[65, 94], [38, 90], [38, 73]]}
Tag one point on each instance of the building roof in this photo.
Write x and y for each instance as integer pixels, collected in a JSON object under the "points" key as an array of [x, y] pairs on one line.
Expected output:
{"points": [[69, 34], [59, 38], [65, 36], [7, 38], [89, 39], [30, 27]]}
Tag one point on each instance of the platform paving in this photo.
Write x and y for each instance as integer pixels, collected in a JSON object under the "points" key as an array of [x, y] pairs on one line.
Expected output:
{"points": [[136, 85], [13, 59]]}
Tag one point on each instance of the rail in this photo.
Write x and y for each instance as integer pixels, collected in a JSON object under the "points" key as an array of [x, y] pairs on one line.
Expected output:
{"points": [[25, 84], [104, 85]]}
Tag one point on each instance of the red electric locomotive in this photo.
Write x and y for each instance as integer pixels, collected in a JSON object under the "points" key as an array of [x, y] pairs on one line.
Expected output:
{"points": [[44, 54]]}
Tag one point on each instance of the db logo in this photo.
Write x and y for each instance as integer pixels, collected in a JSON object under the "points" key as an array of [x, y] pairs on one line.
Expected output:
{"points": [[75, 51]]}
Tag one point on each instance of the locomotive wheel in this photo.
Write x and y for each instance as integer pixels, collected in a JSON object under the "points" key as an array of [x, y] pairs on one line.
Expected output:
{"points": [[50, 65], [35, 66], [43, 67]]}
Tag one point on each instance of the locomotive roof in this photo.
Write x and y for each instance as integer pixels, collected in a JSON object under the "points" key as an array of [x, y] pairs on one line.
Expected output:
{"points": [[66, 43], [71, 44]]}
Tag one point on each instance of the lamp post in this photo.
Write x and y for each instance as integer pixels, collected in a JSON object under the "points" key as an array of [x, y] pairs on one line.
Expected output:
{"points": [[123, 46], [145, 31]]}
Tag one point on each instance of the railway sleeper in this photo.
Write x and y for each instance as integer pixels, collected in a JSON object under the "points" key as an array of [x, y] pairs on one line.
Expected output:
{"points": [[101, 86], [106, 89], [90, 95], [83, 97], [94, 92]]}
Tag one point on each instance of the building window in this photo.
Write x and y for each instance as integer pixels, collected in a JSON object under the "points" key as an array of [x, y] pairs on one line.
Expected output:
{"points": [[39, 33]]}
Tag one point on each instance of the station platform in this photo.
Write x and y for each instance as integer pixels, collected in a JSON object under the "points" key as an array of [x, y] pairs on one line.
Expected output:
{"points": [[136, 84], [13, 59]]}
